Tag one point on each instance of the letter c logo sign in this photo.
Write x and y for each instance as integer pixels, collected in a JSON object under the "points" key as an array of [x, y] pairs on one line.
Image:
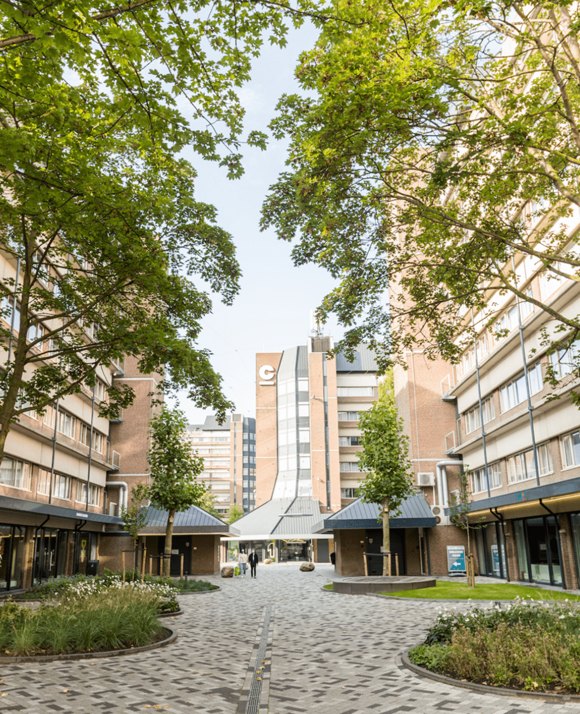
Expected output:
{"points": [[266, 374]]}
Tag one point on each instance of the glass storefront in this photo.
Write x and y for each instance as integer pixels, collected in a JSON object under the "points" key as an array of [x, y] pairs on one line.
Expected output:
{"points": [[538, 550], [50, 549], [11, 557], [491, 550]]}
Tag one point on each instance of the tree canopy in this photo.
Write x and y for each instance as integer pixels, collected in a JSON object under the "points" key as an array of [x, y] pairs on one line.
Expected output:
{"points": [[431, 145], [104, 109]]}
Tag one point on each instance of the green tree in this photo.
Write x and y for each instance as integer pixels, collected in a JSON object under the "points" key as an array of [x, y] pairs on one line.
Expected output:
{"points": [[235, 512], [104, 109], [459, 516], [134, 517], [433, 143], [207, 502], [174, 469], [384, 457]]}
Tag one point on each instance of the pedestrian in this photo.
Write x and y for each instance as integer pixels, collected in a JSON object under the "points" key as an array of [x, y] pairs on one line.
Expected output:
{"points": [[243, 562], [253, 561]]}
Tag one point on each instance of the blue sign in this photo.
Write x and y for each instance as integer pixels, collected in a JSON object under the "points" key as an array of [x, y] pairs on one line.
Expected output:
{"points": [[456, 559]]}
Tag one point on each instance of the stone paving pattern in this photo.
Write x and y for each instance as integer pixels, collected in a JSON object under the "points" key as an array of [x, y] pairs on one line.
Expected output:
{"points": [[329, 653]]}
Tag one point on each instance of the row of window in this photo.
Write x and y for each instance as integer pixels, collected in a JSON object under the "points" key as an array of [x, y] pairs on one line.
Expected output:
{"points": [[522, 466], [548, 283], [18, 474], [73, 427], [514, 392], [348, 416], [349, 467]]}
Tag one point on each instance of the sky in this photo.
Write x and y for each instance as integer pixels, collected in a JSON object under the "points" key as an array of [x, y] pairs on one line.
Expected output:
{"points": [[274, 307]]}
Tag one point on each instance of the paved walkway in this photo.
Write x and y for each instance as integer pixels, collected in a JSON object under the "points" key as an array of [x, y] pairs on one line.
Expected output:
{"points": [[328, 654]]}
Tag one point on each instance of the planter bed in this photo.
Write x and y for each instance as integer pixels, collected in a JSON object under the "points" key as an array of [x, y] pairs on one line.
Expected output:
{"points": [[526, 646], [166, 637]]}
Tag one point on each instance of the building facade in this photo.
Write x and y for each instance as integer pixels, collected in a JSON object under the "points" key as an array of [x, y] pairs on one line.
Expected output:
{"points": [[54, 504], [307, 439], [307, 412], [229, 454], [518, 432]]}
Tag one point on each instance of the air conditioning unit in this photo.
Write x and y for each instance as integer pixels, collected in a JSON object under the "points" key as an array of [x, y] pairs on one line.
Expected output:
{"points": [[454, 496], [113, 509], [425, 478], [439, 512]]}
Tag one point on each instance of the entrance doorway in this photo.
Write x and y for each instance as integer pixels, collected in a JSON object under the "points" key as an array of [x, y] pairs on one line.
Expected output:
{"points": [[538, 548], [373, 544]]}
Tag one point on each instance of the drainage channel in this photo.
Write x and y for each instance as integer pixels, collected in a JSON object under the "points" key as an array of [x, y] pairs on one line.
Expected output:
{"points": [[255, 696]]}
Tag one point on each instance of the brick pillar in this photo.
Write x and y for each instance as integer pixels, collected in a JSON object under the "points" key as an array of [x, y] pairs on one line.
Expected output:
{"points": [[511, 551], [567, 549]]}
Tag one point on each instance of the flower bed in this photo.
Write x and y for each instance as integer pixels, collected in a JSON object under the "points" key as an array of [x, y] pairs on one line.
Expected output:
{"points": [[526, 645], [84, 620], [63, 589]]}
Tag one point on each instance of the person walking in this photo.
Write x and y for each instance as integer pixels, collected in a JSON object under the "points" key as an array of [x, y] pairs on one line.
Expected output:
{"points": [[253, 561], [243, 562]]}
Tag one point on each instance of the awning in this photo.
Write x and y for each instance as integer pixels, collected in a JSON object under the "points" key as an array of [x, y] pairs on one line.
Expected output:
{"points": [[551, 493], [193, 521], [47, 509], [414, 512], [280, 519]]}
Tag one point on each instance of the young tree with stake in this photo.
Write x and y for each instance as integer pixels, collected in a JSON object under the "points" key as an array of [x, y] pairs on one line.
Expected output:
{"points": [[385, 458], [174, 470]]}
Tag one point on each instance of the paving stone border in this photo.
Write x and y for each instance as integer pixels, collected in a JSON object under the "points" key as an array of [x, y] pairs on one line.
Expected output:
{"points": [[199, 592], [170, 614], [483, 688], [169, 637]]}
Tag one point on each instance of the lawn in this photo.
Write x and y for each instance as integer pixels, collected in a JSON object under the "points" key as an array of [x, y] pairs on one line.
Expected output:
{"points": [[445, 590]]}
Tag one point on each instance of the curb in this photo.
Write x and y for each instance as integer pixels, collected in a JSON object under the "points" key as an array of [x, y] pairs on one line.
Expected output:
{"points": [[162, 615], [483, 688], [199, 592], [169, 638]]}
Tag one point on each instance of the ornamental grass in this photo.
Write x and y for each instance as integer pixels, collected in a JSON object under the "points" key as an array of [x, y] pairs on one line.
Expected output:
{"points": [[529, 646], [100, 621]]}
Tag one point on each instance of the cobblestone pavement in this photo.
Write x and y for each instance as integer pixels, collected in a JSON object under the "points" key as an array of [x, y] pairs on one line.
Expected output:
{"points": [[314, 651]]}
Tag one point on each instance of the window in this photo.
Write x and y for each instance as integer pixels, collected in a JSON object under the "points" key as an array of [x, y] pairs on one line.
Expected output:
{"points": [[349, 466], [98, 442], [61, 486], [100, 390], [472, 417], [348, 493], [9, 314], [94, 493], [566, 360], [43, 482], [15, 473], [571, 449], [514, 392], [348, 416], [479, 481], [349, 441], [66, 424], [85, 434], [35, 332], [355, 391], [522, 467]]}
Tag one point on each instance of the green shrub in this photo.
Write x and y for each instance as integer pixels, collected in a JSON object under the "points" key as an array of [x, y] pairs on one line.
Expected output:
{"points": [[100, 621], [529, 645]]}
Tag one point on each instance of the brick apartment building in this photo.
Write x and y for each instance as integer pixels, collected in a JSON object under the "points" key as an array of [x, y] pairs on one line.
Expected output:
{"points": [[229, 454]]}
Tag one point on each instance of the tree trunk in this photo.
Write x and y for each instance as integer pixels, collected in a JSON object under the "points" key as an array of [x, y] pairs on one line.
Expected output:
{"points": [[168, 544], [386, 541]]}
